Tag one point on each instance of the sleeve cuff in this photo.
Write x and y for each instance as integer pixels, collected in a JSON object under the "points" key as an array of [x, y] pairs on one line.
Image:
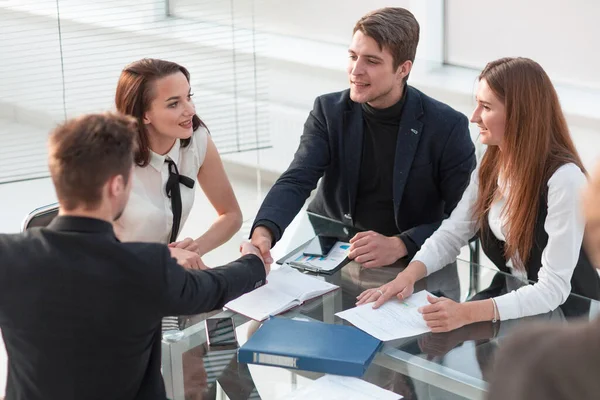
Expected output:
{"points": [[507, 307], [271, 226], [259, 269], [431, 264], [411, 246]]}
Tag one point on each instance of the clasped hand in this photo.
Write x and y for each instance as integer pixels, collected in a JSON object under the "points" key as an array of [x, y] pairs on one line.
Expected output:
{"points": [[373, 250], [186, 258]]}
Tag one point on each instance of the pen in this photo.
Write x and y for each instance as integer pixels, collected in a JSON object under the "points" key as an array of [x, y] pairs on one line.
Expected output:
{"points": [[303, 266]]}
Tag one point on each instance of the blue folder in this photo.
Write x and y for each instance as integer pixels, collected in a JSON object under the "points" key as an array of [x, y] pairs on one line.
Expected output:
{"points": [[311, 346]]}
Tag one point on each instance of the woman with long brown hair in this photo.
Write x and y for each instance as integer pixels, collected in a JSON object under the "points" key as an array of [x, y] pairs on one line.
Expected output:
{"points": [[522, 202]]}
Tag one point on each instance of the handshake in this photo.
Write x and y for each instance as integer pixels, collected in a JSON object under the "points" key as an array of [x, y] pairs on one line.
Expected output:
{"points": [[187, 254], [248, 248]]}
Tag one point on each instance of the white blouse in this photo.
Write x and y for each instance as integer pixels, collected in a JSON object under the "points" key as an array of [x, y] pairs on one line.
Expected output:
{"points": [[564, 225], [148, 216]]}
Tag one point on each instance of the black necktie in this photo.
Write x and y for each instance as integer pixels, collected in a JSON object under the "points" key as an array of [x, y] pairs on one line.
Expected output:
{"points": [[174, 194]]}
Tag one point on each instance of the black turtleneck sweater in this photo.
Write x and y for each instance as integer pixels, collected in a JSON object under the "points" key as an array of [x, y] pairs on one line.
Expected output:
{"points": [[374, 198]]}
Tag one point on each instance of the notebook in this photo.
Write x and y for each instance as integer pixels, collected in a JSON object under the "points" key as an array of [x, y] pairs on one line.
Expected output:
{"points": [[286, 288], [310, 346]]}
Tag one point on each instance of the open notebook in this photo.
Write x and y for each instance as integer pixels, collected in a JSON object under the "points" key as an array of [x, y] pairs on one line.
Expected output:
{"points": [[286, 289]]}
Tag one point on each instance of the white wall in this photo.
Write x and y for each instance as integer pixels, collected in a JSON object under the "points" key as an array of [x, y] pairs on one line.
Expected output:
{"points": [[322, 20], [561, 35]]}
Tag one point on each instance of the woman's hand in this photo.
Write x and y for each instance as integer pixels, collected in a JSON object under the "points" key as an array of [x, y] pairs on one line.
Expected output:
{"points": [[444, 315], [187, 259], [188, 244], [439, 344], [401, 287]]}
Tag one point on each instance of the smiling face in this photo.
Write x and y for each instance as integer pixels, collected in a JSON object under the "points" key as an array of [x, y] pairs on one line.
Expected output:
{"points": [[371, 72], [171, 110], [489, 115]]}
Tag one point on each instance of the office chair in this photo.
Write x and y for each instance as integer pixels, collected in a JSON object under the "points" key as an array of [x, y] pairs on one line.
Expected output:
{"points": [[40, 217]]}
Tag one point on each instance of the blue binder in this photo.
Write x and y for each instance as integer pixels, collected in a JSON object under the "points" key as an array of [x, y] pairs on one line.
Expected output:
{"points": [[311, 346]]}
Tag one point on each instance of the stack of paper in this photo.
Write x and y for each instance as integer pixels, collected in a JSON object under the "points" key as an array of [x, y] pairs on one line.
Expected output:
{"points": [[286, 289], [393, 320], [333, 387]]}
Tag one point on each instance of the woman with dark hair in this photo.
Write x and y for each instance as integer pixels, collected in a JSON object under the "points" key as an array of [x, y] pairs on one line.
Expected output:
{"points": [[174, 150], [522, 202]]}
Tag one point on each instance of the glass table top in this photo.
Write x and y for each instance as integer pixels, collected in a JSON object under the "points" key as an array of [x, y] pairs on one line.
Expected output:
{"points": [[452, 365]]}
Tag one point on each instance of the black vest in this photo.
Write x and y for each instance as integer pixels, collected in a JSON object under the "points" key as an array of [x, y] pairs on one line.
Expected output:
{"points": [[585, 280]]}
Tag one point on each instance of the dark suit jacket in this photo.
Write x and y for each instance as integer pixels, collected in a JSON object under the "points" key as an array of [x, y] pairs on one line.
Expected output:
{"points": [[549, 361], [80, 312], [433, 163]]}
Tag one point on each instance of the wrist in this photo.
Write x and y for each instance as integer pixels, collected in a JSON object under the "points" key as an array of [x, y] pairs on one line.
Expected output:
{"points": [[478, 311], [415, 271], [468, 314], [399, 247], [200, 250], [262, 231]]}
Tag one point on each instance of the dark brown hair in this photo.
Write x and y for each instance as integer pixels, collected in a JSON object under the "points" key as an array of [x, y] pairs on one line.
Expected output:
{"points": [[85, 152], [134, 95], [394, 29], [536, 143]]}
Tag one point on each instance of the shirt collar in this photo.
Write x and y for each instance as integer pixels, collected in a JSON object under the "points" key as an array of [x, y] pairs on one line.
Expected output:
{"points": [[69, 223], [157, 161]]}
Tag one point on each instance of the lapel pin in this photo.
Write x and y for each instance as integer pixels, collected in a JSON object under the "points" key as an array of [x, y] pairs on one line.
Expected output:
{"points": [[414, 131]]}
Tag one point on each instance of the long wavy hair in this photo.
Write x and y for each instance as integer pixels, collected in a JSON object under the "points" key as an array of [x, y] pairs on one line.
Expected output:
{"points": [[536, 143], [135, 94]]}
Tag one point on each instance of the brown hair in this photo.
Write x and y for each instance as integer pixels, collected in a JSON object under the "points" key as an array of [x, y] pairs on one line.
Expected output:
{"points": [[536, 143], [85, 152], [394, 29], [134, 95]]}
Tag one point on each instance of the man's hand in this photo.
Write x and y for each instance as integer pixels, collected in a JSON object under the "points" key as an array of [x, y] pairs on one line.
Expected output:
{"points": [[401, 287], [187, 259], [373, 250], [444, 315], [188, 244], [248, 248], [262, 239]]}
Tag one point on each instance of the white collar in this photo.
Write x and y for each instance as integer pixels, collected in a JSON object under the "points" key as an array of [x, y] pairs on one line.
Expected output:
{"points": [[157, 161]]}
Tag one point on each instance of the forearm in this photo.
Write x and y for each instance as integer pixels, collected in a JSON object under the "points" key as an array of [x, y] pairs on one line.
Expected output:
{"points": [[415, 271], [478, 311], [220, 231], [192, 292]]}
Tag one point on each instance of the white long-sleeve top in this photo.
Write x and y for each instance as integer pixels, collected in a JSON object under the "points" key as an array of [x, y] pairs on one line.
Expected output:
{"points": [[564, 225]]}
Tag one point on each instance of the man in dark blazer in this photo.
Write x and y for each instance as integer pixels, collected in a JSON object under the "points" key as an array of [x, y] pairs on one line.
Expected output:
{"points": [[393, 161], [81, 312], [554, 361]]}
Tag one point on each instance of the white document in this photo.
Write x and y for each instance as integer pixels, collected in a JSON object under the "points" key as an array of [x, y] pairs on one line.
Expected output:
{"points": [[393, 320], [286, 288], [335, 257], [334, 387]]}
